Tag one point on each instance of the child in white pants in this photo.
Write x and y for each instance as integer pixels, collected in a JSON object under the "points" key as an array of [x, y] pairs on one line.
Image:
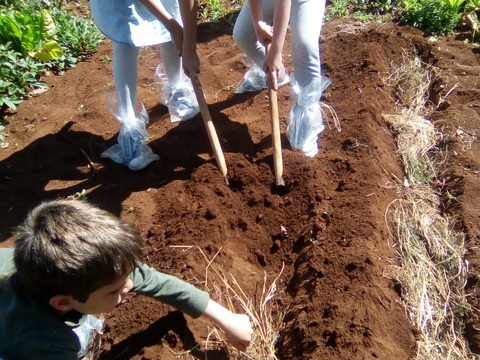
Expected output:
{"points": [[306, 18], [131, 24]]}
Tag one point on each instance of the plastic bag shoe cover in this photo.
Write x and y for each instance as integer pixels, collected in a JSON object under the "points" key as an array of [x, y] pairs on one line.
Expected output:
{"points": [[143, 160], [283, 77], [255, 79], [179, 98], [310, 94], [125, 115], [306, 121], [181, 105], [131, 149], [303, 128], [161, 82]]}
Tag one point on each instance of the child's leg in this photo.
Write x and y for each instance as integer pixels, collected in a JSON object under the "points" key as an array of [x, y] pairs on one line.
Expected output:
{"points": [[244, 33], [305, 24], [245, 37], [125, 76], [305, 122], [172, 62], [177, 89], [131, 149]]}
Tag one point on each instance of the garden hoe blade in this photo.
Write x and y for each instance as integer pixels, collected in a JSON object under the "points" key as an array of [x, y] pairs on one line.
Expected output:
{"points": [[212, 134], [275, 122]]}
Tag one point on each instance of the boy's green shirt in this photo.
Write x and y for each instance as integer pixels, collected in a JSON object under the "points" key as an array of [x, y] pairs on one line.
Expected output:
{"points": [[31, 330]]}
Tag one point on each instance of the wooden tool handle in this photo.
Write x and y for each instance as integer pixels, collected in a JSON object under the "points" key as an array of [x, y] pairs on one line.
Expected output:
{"points": [[212, 134], [276, 140]]}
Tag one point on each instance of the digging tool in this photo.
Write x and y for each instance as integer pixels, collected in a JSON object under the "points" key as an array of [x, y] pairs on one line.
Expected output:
{"points": [[212, 134], [275, 122]]}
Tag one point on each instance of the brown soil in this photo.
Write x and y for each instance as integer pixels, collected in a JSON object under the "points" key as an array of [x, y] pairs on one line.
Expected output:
{"points": [[338, 305]]}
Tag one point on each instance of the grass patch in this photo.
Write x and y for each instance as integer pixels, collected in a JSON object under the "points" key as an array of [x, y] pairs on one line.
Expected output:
{"points": [[215, 10]]}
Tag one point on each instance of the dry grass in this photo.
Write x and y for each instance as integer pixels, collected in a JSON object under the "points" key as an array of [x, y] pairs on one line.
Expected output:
{"points": [[265, 312], [329, 112], [432, 270], [411, 80]]}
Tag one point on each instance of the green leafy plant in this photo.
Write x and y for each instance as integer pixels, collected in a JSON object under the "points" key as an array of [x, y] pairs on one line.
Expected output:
{"points": [[360, 9], [2, 138], [434, 16], [215, 10], [76, 34], [17, 76], [106, 59], [30, 33], [79, 196], [35, 35]]}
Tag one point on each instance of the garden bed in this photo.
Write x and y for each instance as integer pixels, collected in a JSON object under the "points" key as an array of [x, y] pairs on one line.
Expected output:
{"points": [[337, 303]]}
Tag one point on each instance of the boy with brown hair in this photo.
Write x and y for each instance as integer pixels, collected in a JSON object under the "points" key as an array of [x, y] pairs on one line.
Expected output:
{"points": [[72, 259]]}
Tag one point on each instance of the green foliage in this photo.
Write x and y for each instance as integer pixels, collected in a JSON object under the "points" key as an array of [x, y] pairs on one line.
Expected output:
{"points": [[339, 8], [213, 10], [2, 138], [434, 16], [219, 9], [361, 9], [76, 34], [30, 33], [34, 35], [17, 76]]}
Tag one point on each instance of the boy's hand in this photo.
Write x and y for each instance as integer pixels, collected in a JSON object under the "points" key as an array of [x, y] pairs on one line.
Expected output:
{"points": [[238, 331], [237, 327]]}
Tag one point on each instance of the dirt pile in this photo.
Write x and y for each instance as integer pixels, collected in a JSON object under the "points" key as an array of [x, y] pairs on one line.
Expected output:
{"points": [[337, 245]]}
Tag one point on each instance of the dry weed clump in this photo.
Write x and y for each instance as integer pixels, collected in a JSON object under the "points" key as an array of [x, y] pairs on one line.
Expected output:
{"points": [[432, 270], [410, 80], [265, 310], [327, 112]]}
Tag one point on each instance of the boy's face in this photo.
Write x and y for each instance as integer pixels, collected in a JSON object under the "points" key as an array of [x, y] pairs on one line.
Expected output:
{"points": [[106, 298]]}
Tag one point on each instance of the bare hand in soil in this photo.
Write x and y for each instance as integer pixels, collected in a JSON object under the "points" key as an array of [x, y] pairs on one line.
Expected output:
{"points": [[237, 327]]}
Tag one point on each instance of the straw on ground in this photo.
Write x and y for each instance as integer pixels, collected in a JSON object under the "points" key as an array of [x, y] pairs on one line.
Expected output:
{"points": [[265, 312], [432, 270]]}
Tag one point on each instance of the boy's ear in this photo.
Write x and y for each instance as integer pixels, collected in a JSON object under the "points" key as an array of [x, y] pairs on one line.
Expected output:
{"points": [[62, 302]]}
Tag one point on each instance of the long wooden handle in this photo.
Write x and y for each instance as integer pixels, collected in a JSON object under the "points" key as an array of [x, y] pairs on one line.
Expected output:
{"points": [[276, 140], [212, 134]]}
